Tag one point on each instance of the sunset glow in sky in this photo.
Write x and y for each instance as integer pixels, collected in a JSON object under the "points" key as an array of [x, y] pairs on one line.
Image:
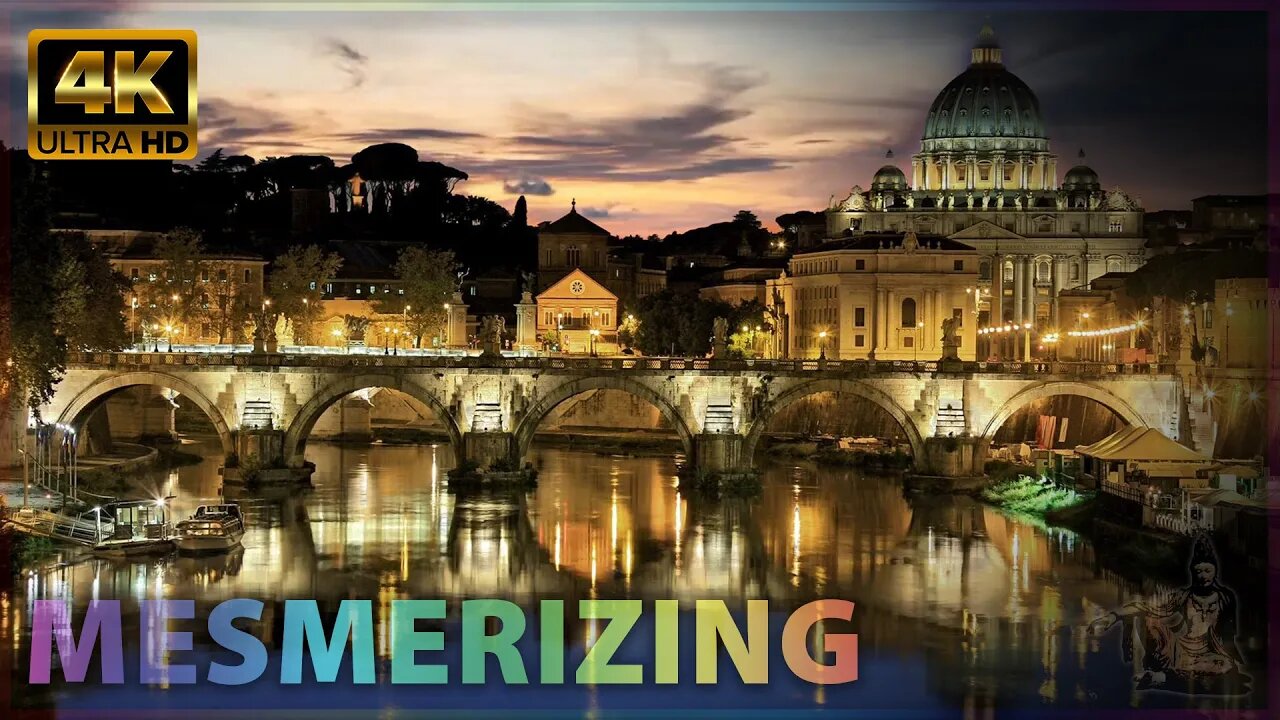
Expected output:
{"points": [[666, 121]]}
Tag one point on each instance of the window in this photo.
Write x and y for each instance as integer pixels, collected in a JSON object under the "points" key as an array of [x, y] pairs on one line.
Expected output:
{"points": [[908, 341], [358, 290], [133, 274], [984, 172], [604, 318], [473, 291], [958, 266], [328, 289], [859, 340], [373, 289], [1075, 227], [549, 261], [860, 317], [572, 255], [908, 312], [1042, 271], [247, 275], [222, 275], [313, 285], [1115, 226], [984, 270], [204, 276], [1075, 271], [151, 276], [1208, 316], [1115, 264], [546, 318]]}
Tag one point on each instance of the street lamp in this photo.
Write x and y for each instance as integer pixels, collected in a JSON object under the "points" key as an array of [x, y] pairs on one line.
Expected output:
{"points": [[155, 336], [595, 333], [395, 348], [822, 345], [133, 319], [405, 316], [386, 339]]}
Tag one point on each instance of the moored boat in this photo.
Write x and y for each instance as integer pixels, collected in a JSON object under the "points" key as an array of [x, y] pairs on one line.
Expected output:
{"points": [[129, 528], [213, 528]]}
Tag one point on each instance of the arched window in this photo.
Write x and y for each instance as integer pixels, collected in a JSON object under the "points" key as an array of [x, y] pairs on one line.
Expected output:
{"points": [[984, 270], [908, 312], [1008, 271], [1042, 271], [1115, 264], [572, 256]]}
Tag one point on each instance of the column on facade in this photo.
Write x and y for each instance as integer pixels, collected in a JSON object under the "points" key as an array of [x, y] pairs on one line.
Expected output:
{"points": [[1084, 270], [1017, 288], [1024, 173], [888, 318], [997, 289], [1055, 269], [915, 173], [1029, 295], [1050, 177], [877, 315], [946, 172]]}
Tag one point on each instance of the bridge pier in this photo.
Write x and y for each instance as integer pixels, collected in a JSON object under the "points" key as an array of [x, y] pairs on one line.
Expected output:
{"points": [[952, 457], [719, 453], [484, 448], [260, 459]]}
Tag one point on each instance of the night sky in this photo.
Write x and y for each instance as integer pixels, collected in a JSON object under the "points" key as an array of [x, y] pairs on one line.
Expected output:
{"points": [[660, 121]]}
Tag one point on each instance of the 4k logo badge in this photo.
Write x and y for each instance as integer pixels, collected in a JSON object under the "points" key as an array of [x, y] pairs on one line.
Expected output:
{"points": [[111, 94]]}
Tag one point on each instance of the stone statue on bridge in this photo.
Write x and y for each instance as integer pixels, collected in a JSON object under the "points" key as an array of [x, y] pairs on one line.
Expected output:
{"points": [[719, 333], [492, 328], [950, 339]]}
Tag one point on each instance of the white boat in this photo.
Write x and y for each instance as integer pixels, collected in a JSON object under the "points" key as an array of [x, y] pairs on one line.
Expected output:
{"points": [[213, 528]]}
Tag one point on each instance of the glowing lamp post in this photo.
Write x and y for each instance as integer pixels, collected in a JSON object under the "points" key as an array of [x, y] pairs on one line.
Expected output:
{"points": [[822, 345]]}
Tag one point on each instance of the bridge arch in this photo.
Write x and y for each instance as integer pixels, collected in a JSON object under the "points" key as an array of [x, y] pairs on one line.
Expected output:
{"points": [[88, 399], [547, 402], [1031, 394], [854, 387], [295, 438]]}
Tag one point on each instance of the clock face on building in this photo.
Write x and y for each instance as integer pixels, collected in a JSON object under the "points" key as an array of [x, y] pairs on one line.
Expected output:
{"points": [[576, 287]]}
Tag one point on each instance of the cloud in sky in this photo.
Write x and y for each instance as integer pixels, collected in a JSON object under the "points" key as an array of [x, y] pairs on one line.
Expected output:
{"points": [[527, 186], [348, 60], [682, 117]]}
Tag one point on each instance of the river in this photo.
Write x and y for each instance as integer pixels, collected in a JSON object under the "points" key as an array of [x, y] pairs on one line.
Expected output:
{"points": [[957, 605]]}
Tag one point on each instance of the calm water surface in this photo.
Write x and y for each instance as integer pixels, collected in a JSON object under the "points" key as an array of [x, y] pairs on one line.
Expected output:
{"points": [[957, 605]]}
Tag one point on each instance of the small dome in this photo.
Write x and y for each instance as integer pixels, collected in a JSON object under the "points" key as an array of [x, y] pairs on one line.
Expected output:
{"points": [[889, 177], [1081, 177]]}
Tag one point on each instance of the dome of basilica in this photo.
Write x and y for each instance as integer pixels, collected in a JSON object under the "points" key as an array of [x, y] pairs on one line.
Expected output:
{"points": [[986, 100]]}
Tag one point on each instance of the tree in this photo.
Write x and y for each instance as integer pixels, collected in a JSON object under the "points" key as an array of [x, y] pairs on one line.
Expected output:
{"points": [[428, 279], [62, 293], [230, 305], [297, 287], [520, 215], [177, 300]]}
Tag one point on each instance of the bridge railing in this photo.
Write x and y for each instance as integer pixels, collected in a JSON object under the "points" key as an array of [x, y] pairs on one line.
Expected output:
{"points": [[615, 363]]}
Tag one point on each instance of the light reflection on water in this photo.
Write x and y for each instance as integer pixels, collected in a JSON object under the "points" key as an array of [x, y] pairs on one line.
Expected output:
{"points": [[981, 596]]}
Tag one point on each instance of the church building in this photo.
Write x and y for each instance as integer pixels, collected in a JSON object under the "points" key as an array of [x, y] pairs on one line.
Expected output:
{"points": [[985, 177]]}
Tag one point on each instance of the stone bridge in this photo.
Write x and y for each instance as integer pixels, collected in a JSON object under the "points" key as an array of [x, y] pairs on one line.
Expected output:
{"points": [[264, 406]]}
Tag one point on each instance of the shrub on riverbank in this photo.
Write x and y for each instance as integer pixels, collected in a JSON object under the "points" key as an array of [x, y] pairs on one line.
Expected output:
{"points": [[1035, 496]]}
